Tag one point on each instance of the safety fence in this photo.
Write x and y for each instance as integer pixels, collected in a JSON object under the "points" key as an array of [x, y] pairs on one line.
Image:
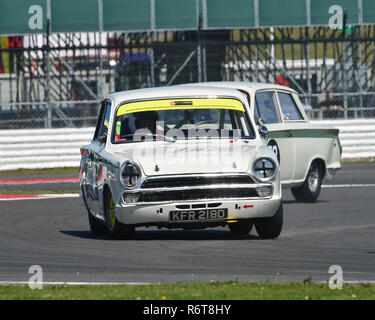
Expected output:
{"points": [[58, 80], [53, 148], [357, 137], [42, 148]]}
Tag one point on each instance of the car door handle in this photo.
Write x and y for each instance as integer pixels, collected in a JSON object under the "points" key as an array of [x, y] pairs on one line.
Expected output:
{"points": [[288, 134]]}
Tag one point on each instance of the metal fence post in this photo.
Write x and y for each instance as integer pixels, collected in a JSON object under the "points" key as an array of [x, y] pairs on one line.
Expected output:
{"points": [[152, 62], [101, 75], [204, 64], [343, 65], [360, 80], [152, 53], [199, 49], [308, 71], [47, 68]]}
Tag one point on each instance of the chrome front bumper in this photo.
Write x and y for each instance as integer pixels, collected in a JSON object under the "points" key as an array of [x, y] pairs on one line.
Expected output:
{"points": [[159, 213], [242, 199]]}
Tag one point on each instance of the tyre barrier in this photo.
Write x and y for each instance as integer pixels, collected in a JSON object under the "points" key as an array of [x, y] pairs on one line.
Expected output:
{"points": [[53, 148]]}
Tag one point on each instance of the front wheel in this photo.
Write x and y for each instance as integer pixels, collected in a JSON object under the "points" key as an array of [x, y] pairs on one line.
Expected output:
{"points": [[310, 189], [96, 226], [270, 228], [115, 229]]}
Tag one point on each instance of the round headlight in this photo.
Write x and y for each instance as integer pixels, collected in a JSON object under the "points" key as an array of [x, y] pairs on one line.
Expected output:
{"points": [[130, 174], [264, 169]]}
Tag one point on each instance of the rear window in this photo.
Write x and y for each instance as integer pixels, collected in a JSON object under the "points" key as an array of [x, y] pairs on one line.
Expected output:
{"points": [[288, 107]]}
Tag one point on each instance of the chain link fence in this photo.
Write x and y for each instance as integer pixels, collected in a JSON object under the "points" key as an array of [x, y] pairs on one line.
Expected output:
{"points": [[60, 79]]}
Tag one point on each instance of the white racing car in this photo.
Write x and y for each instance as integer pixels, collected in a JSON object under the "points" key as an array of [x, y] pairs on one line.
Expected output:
{"points": [[179, 158], [307, 152]]}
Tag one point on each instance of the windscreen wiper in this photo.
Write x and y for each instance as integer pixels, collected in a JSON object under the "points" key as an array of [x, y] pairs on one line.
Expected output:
{"points": [[148, 134], [158, 135]]}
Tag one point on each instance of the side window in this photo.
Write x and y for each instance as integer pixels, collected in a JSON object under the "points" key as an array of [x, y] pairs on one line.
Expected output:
{"points": [[288, 107], [265, 107], [103, 119], [256, 113], [105, 127], [247, 96], [226, 120]]}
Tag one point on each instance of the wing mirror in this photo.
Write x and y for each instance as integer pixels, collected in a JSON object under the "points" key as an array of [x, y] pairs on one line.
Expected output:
{"points": [[261, 121], [262, 130], [102, 137]]}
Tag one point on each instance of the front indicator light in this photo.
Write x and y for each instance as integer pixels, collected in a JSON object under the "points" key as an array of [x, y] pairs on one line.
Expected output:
{"points": [[264, 192], [131, 197]]}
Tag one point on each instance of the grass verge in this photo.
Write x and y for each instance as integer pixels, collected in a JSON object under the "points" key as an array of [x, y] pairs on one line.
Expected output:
{"points": [[35, 192], [74, 171], [358, 161], [194, 291]]}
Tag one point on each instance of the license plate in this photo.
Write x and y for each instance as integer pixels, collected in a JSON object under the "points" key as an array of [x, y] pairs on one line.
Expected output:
{"points": [[202, 214]]}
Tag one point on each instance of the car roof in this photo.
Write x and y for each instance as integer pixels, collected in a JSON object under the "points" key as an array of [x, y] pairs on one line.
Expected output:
{"points": [[242, 85], [174, 92]]}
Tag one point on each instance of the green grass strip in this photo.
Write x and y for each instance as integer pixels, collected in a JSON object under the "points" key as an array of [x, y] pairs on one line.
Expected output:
{"points": [[35, 192], [358, 161], [194, 291], [74, 171]]}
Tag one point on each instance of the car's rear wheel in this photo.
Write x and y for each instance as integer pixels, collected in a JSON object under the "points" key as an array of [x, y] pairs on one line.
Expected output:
{"points": [[270, 227], [310, 189], [115, 229], [97, 227], [240, 227]]}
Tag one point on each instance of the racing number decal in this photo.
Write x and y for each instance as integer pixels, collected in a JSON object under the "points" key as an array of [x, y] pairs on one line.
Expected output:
{"points": [[275, 148]]}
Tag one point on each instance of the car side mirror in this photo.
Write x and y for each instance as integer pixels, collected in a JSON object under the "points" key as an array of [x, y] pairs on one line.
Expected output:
{"points": [[102, 137], [261, 121], [262, 130]]}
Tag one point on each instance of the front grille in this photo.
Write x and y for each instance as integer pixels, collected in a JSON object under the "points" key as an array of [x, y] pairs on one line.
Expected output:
{"points": [[197, 194], [172, 182]]}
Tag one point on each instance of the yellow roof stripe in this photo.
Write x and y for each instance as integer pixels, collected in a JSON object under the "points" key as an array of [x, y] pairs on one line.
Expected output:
{"points": [[155, 105]]}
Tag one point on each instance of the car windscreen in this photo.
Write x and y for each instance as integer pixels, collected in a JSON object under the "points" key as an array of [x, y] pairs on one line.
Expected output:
{"points": [[182, 119]]}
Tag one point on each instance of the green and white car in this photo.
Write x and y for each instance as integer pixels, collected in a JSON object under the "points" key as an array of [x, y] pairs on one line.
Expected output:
{"points": [[307, 152]]}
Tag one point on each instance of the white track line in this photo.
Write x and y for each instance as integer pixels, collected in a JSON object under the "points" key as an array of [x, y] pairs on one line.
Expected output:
{"points": [[348, 185], [60, 283], [44, 196], [372, 282]]}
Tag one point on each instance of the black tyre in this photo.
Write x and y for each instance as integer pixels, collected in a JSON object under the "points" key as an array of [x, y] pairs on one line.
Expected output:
{"points": [[310, 189], [97, 227], [240, 227], [115, 229], [270, 228]]}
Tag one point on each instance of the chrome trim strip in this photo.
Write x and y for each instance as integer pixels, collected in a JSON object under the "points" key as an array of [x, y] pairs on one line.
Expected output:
{"points": [[193, 201], [202, 187], [204, 175], [199, 175]]}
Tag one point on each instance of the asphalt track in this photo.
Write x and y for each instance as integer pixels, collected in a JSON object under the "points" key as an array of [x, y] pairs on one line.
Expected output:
{"points": [[337, 230]]}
